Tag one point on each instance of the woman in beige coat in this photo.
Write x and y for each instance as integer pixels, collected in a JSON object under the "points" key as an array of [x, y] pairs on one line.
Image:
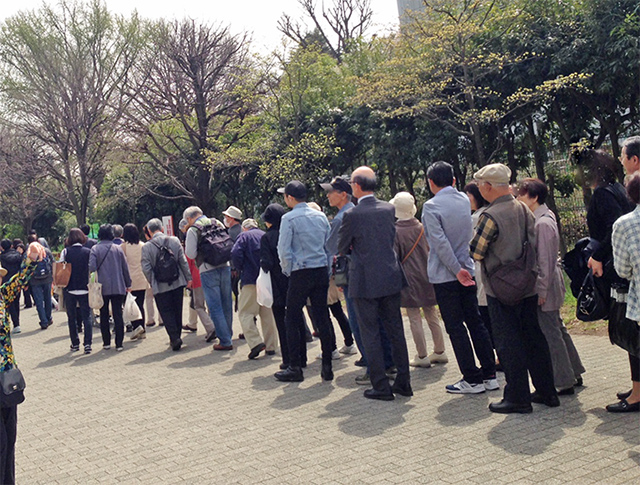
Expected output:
{"points": [[413, 252], [132, 248]]}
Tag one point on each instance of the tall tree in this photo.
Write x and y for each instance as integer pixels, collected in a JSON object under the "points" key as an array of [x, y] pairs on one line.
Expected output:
{"points": [[63, 69]]}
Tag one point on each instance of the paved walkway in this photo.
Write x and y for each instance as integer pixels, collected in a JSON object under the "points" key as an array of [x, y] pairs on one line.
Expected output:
{"points": [[150, 415]]}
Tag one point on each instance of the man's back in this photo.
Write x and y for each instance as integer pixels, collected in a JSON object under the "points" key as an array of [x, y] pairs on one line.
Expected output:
{"points": [[368, 233]]}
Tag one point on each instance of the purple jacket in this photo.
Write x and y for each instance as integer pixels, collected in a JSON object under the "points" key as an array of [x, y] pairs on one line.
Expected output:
{"points": [[245, 255]]}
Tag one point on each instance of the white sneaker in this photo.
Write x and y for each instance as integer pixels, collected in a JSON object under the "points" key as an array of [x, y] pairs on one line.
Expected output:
{"points": [[17, 329], [106, 347], [138, 333], [463, 387], [348, 349], [438, 358], [335, 355], [420, 362], [491, 384]]}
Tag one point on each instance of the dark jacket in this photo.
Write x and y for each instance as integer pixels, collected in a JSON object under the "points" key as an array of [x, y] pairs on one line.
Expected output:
{"points": [[245, 255], [419, 292], [269, 260], [11, 261], [78, 256], [368, 233]]}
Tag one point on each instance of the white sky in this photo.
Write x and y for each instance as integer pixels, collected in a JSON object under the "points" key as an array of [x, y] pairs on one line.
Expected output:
{"points": [[256, 16]]}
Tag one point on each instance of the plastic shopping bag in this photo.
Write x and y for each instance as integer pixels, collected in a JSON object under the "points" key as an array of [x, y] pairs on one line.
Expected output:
{"points": [[131, 311], [264, 290]]}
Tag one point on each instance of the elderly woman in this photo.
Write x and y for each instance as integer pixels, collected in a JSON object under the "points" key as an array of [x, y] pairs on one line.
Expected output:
{"points": [[625, 240], [413, 252], [132, 248], [109, 261], [9, 291], [567, 367]]}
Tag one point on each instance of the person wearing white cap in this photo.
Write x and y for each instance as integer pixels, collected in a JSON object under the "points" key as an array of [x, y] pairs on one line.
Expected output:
{"points": [[413, 252], [522, 348], [232, 221]]}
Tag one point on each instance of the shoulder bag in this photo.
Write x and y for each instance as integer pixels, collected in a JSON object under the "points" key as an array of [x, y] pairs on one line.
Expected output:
{"points": [[623, 332], [95, 288], [592, 302], [11, 387], [61, 274], [414, 245]]}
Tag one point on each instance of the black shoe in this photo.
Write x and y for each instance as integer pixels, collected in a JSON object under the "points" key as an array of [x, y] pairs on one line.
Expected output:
{"points": [[290, 374], [551, 401], [211, 337], [326, 373], [283, 366], [579, 382], [624, 407], [506, 407], [129, 328], [176, 344], [566, 392], [187, 328], [379, 395], [402, 390], [241, 336], [256, 350], [309, 338], [360, 363], [270, 352], [624, 395]]}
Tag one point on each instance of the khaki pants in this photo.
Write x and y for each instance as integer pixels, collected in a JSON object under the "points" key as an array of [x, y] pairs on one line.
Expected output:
{"points": [[248, 310], [199, 311], [417, 330]]}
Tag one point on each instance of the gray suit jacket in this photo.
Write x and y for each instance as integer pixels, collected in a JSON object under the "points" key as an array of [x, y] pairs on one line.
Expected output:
{"points": [[149, 255], [368, 233]]}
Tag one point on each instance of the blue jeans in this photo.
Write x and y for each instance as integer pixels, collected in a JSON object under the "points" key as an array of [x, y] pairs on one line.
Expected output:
{"points": [[216, 284], [42, 297]]}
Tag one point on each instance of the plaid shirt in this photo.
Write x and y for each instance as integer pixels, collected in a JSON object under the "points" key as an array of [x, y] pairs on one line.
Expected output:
{"points": [[626, 257], [485, 233]]}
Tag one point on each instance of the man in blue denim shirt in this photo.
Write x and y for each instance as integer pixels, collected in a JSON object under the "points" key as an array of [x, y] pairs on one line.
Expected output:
{"points": [[303, 257]]}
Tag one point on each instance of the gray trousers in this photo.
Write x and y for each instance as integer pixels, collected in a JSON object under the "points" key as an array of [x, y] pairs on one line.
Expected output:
{"points": [[564, 356]]}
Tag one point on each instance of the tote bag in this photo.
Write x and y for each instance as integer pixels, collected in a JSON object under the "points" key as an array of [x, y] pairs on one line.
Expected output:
{"points": [[95, 292]]}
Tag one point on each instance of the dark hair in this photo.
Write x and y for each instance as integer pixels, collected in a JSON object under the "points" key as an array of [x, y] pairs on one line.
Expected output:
{"points": [[76, 236], [86, 229], [105, 233], [6, 244], [599, 167], [131, 234], [32, 238], [367, 184], [534, 188], [632, 144], [472, 188], [633, 188], [17, 242], [33, 232], [441, 174]]}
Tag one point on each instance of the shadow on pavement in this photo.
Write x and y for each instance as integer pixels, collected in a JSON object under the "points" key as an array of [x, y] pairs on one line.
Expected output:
{"points": [[365, 418], [464, 410], [623, 425], [293, 397], [527, 434]]}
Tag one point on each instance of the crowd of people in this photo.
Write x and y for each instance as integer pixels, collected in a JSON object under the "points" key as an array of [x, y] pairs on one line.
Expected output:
{"points": [[452, 264]]}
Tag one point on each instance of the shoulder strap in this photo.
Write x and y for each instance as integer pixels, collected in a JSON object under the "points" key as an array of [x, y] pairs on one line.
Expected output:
{"points": [[105, 257], [414, 245]]}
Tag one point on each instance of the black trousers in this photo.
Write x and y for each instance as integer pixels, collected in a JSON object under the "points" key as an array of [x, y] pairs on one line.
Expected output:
{"points": [[343, 322], [118, 323], [170, 305], [8, 431], [279, 314], [139, 296], [313, 284], [522, 349], [370, 312], [635, 368], [14, 311]]}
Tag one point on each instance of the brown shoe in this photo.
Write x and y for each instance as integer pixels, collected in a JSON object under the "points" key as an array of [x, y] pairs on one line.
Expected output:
{"points": [[222, 347]]}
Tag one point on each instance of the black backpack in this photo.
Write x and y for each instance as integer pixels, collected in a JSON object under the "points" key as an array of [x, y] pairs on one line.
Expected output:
{"points": [[214, 244], [43, 269], [166, 269]]}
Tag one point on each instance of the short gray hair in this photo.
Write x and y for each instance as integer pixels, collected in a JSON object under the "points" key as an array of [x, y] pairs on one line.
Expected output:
{"points": [[154, 225], [191, 212], [117, 230], [182, 224]]}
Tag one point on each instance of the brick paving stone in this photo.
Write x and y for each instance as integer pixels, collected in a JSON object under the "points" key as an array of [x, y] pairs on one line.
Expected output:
{"points": [[148, 415]]}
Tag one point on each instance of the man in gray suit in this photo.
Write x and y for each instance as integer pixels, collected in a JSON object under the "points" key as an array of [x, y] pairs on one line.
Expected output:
{"points": [[169, 296], [375, 280]]}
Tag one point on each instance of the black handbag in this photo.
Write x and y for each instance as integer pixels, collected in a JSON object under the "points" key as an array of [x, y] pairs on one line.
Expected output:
{"points": [[340, 270], [11, 387], [593, 301], [623, 332]]}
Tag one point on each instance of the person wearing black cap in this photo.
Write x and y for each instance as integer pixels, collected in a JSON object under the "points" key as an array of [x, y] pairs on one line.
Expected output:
{"points": [[303, 257]]}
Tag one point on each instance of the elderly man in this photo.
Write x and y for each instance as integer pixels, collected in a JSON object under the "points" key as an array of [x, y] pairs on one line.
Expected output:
{"points": [[522, 348], [301, 249], [245, 256], [375, 280], [169, 295], [216, 278]]}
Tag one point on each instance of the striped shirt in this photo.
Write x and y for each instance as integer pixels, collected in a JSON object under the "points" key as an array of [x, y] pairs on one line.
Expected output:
{"points": [[626, 257]]}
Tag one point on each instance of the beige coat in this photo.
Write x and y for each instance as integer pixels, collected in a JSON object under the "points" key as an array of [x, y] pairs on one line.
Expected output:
{"points": [[133, 252], [419, 292], [550, 284]]}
